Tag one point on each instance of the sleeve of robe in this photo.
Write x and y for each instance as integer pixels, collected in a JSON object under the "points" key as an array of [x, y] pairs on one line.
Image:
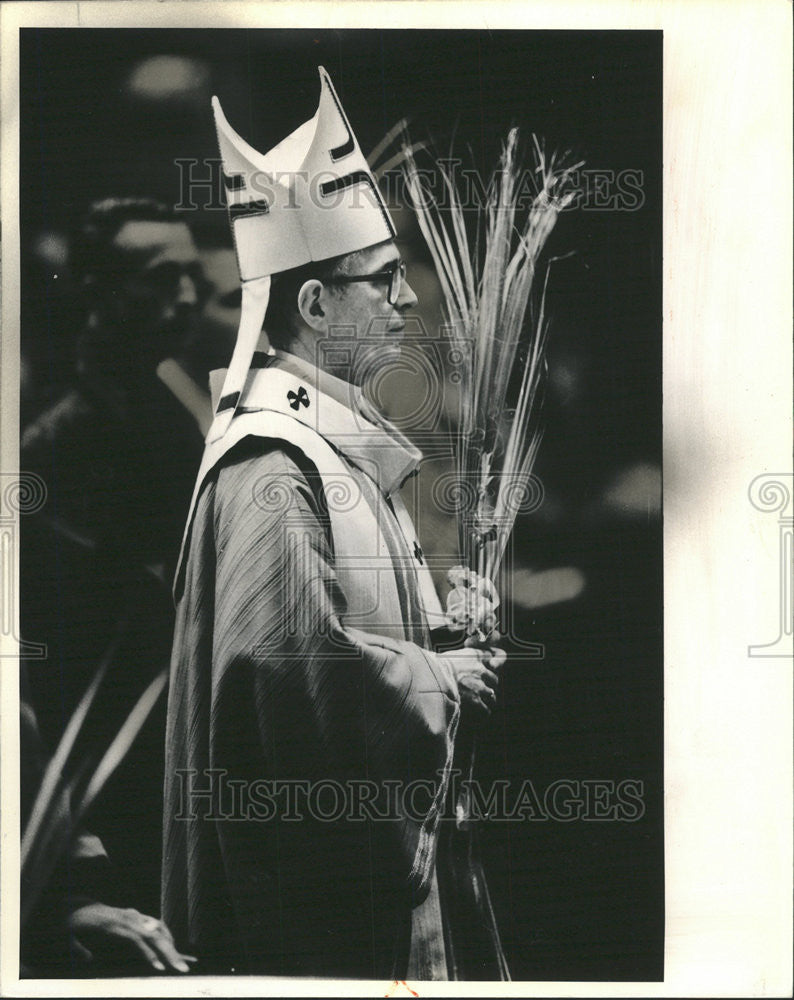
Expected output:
{"points": [[297, 696]]}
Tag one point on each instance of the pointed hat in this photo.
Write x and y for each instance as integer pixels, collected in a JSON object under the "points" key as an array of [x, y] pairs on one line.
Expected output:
{"points": [[311, 197]]}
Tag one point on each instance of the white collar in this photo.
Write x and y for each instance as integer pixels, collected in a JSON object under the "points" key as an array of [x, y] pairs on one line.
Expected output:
{"points": [[337, 411]]}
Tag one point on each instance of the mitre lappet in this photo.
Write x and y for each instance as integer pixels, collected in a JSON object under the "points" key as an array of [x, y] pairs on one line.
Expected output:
{"points": [[312, 197]]}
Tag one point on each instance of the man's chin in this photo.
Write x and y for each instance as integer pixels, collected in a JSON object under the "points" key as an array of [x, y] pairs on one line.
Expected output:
{"points": [[393, 347], [375, 352]]}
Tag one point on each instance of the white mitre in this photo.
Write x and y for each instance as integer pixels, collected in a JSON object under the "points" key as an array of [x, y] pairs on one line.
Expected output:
{"points": [[311, 197]]}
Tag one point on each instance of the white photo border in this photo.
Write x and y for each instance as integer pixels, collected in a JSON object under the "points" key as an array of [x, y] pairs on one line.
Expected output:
{"points": [[727, 420]]}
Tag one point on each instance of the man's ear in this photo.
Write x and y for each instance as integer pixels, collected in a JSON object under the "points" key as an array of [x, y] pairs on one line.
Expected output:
{"points": [[311, 304]]}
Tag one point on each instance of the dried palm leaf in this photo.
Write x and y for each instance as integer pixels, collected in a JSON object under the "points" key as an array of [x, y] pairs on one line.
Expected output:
{"points": [[488, 283], [123, 740], [55, 819]]}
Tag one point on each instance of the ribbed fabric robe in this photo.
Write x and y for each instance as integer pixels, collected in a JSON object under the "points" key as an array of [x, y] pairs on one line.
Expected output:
{"points": [[272, 681]]}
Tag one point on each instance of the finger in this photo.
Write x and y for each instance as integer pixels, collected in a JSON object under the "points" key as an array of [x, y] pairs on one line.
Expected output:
{"points": [[165, 931], [146, 952], [474, 698], [82, 953], [149, 927], [159, 937], [497, 658], [490, 695], [168, 953], [485, 707], [490, 678], [478, 705], [483, 692]]}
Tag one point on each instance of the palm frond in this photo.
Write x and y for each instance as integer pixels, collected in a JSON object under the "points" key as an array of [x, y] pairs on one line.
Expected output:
{"points": [[54, 771], [487, 268], [122, 742], [55, 834], [55, 818], [383, 144]]}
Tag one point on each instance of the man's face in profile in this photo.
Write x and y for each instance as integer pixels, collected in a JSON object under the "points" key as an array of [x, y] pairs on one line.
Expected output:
{"points": [[155, 299], [369, 312]]}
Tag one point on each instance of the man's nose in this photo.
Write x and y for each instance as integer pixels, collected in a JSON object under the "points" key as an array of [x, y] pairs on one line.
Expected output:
{"points": [[407, 298], [187, 293]]}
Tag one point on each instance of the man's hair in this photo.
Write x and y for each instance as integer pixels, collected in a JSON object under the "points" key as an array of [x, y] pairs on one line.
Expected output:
{"points": [[93, 254], [282, 319]]}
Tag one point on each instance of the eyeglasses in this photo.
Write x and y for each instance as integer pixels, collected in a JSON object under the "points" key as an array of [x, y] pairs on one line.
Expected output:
{"points": [[394, 273]]}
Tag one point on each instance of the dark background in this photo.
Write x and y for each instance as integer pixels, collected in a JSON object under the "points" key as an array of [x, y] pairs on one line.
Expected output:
{"points": [[580, 900]]}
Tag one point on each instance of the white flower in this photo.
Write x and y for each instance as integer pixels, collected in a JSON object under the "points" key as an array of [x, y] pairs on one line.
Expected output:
{"points": [[472, 602]]}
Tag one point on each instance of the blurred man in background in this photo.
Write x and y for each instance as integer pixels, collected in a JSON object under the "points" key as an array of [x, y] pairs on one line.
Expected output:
{"points": [[118, 454]]}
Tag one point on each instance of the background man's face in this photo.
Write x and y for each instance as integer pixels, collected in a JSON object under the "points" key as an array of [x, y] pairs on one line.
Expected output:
{"points": [[155, 299], [361, 312]]}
